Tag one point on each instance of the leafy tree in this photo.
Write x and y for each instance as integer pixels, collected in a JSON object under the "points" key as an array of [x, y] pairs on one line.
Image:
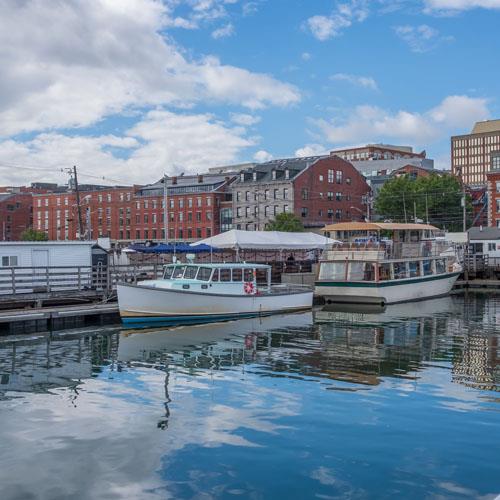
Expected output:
{"points": [[436, 198], [285, 222], [33, 235]]}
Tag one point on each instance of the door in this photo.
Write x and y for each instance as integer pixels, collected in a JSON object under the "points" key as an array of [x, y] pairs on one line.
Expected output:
{"points": [[40, 259]]}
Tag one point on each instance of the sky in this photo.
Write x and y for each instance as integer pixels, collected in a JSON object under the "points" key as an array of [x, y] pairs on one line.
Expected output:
{"points": [[128, 90]]}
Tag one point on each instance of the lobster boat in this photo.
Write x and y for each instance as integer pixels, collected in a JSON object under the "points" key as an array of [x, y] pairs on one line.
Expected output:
{"points": [[197, 293]]}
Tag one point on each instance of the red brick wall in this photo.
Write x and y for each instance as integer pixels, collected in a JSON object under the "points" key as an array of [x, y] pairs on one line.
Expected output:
{"points": [[109, 216], [15, 216], [493, 196], [349, 190]]}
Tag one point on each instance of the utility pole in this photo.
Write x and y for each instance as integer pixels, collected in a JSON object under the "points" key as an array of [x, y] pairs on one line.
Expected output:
{"points": [[426, 209], [78, 205], [464, 209], [404, 208], [415, 211]]}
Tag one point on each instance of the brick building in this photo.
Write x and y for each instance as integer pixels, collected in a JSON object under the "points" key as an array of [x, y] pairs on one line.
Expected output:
{"points": [[493, 190], [318, 189], [15, 214], [196, 209], [471, 154]]}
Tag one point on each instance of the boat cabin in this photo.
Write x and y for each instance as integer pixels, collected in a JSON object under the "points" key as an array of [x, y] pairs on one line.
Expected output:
{"points": [[239, 278]]}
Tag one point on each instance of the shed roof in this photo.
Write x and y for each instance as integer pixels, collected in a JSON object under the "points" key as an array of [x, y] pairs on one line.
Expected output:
{"points": [[378, 226], [484, 233]]}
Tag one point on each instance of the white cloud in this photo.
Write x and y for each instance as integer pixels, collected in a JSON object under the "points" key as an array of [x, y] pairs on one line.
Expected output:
{"points": [[262, 156], [223, 32], [421, 38], [326, 27], [161, 142], [367, 124], [305, 56], [244, 119], [360, 81], [311, 150], [80, 70], [458, 5]]}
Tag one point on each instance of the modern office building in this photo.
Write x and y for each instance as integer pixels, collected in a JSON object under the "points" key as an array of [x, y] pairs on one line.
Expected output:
{"points": [[471, 154]]}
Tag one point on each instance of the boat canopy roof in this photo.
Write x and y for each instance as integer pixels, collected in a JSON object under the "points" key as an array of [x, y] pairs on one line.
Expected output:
{"points": [[220, 265], [378, 226]]}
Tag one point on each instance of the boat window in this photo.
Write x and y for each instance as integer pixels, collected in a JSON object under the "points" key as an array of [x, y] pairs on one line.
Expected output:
{"points": [[178, 272], [414, 269], [248, 274], [384, 272], [356, 271], [427, 265], [204, 274], [440, 266], [400, 271], [332, 271], [215, 276], [369, 272], [237, 274], [190, 273], [225, 274], [167, 273]]}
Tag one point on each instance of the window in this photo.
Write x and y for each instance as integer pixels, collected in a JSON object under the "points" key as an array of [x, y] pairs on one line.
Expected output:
{"points": [[338, 213], [238, 195], [146, 218], [304, 212], [348, 180], [255, 176], [190, 216], [331, 176], [248, 274], [198, 216], [329, 195], [209, 201], [320, 178], [338, 196], [305, 194], [154, 204], [330, 213], [266, 194], [497, 185], [339, 176], [225, 274], [181, 217], [285, 193], [492, 247], [181, 202], [108, 197], [275, 211], [190, 272], [238, 212], [198, 201], [287, 174], [9, 261], [204, 274], [237, 274], [266, 211], [172, 201], [154, 218], [273, 175], [209, 216], [498, 204], [247, 211], [276, 194]]}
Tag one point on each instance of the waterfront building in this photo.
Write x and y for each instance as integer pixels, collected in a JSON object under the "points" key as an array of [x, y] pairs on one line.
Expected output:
{"points": [[471, 154], [198, 207], [15, 214], [317, 189], [493, 190]]}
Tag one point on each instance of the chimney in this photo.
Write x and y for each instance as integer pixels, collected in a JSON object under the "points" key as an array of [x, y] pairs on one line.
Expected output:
{"points": [[227, 179], [174, 180], [200, 179]]}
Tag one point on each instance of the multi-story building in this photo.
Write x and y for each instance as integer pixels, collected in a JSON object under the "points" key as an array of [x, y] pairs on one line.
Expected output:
{"points": [[15, 214], [493, 190], [471, 153], [196, 206], [318, 189]]}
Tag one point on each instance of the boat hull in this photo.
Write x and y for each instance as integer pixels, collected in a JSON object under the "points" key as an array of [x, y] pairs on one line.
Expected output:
{"points": [[140, 304], [386, 292]]}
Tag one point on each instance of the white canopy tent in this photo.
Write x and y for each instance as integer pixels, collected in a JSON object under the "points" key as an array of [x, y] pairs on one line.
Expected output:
{"points": [[267, 240]]}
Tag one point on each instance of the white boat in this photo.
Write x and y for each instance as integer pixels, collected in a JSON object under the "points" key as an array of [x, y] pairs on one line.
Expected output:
{"points": [[409, 264], [208, 292]]}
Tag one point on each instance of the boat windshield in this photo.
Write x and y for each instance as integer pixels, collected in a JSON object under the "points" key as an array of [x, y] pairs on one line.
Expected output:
{"points": [[187, 272]]}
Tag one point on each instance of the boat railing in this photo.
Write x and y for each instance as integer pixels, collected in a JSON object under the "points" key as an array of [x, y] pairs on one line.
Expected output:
{"points": [[380, 250], [284, 288]]}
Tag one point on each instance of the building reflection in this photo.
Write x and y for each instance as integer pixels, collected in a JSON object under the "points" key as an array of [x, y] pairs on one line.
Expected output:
{"points": [[349, 345]]}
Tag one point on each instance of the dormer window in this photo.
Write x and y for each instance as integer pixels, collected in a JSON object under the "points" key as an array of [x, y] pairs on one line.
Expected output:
{"points": [[242, 177], [287, 173], [273, 175], [255, 176]]}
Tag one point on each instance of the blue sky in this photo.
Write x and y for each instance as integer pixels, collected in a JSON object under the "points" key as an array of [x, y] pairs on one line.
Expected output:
{"points": [[129, 89]]}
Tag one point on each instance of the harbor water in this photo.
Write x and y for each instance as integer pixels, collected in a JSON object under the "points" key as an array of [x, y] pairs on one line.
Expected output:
{"points": [[336, 403]]}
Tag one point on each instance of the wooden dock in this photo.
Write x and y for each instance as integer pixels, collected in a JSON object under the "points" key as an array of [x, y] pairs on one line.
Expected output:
{"points": [[23, 321]]}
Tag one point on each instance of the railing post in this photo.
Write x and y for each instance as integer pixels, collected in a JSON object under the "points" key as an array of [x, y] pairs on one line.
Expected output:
{"points": [[13, 276]]}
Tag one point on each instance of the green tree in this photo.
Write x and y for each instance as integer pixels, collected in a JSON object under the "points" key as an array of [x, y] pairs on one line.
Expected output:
{"points": [[33, 235], [285, 222], [436, 198]]}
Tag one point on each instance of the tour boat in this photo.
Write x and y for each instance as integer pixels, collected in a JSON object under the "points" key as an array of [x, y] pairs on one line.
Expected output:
{"points": [[386, 263], [193, 293]]}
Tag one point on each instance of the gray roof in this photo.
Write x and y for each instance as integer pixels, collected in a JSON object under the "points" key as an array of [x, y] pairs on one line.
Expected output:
{"points": [[484, 233], [294, 165], [5, 196]]}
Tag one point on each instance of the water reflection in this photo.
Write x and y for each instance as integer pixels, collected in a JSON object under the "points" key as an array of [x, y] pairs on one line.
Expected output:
{"points": [[162, 412]]}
